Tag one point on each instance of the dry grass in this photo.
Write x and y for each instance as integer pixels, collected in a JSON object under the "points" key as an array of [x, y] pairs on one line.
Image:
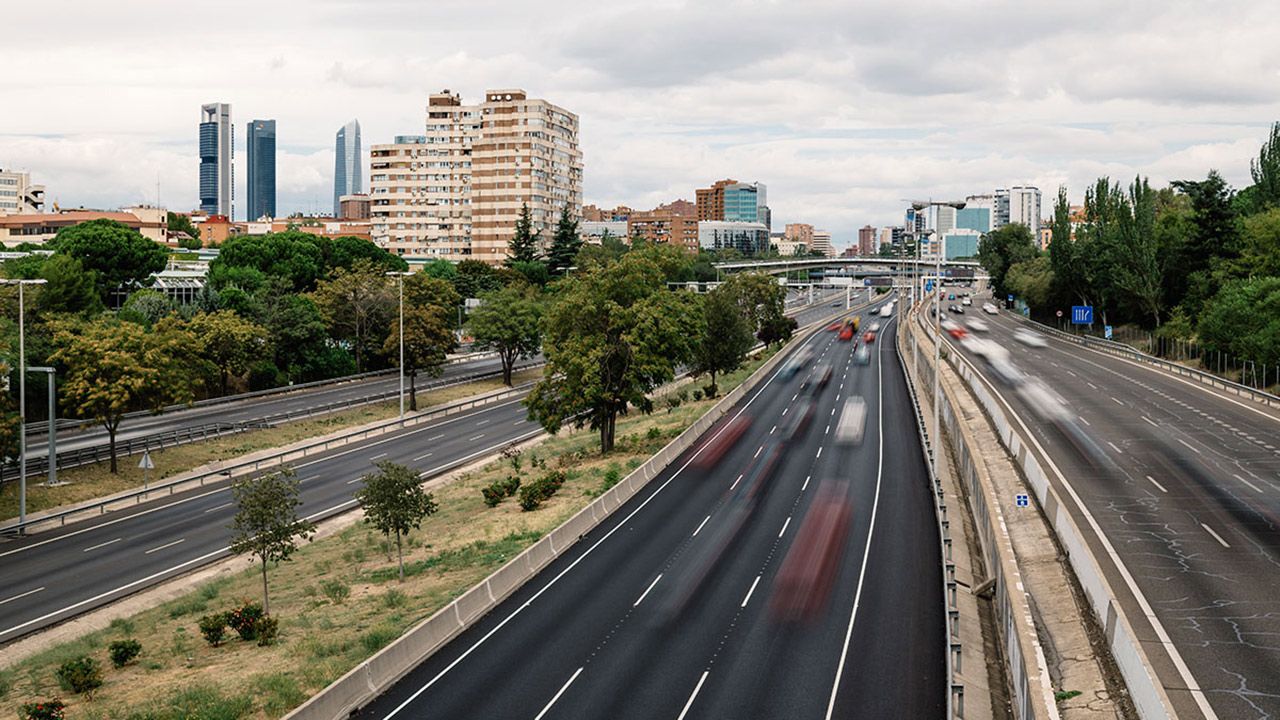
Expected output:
{"points": [[94, 481], [320, 639]]}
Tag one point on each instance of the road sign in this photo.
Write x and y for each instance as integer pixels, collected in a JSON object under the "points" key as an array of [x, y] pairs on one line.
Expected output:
{"points": [[1081, 314], [145, 463], [928, 286], [1059, 313], [1010, 297], [1022, 500], [1106, 329]]}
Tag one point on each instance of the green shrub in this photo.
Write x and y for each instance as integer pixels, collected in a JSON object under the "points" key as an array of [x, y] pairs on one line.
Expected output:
{"points": [[377, 638], [336, 590], [80, 675], [266, 628], [533, 494], [44, 710], [214, 628], [124, 651], [493, 494], [697, 395], [124, 626], [394, 599], [654, 433], [509, 485], [244, 619]]}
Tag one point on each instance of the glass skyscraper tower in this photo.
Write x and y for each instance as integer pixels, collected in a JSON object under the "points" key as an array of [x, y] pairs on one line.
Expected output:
{"points": [[261, 139], [346, 172], [216, 151]]}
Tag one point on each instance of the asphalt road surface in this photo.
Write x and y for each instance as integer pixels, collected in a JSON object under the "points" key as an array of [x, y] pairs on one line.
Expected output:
{"points": [[681, 604], [1183, 485]]}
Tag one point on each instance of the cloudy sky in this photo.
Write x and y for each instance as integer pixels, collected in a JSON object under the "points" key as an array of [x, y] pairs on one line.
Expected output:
{"points": [[842, 108]]}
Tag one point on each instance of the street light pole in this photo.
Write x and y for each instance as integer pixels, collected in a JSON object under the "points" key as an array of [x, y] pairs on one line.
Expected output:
{"points": [[937, 350], [22, 396], [400, 276]]}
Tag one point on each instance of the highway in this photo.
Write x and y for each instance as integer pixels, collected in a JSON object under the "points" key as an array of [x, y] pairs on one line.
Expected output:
{"points": [[52, 576], [1182, 485], [677, 605]]}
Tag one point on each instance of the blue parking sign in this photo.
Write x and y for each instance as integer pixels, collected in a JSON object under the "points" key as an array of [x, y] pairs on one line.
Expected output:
{"points": [[1022, 500], [1081, 314]]}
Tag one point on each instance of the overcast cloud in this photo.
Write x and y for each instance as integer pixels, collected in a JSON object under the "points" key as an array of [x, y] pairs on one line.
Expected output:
{"points": [[842, 108]]}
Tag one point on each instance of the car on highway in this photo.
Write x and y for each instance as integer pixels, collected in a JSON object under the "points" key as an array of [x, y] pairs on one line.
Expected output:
{"points": [[797, 362], [846, 333], [989, 309], [1029, 338], [966, 301], [977, 325], [887, 310], [954, 329], [868, 337], [862, 355], [853, 421], [874, 327]]}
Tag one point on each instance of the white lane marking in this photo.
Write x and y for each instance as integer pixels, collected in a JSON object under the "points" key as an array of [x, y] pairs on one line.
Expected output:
{"points": [[1153, 482], [378, 456], [1086, 422], [434, 438], [775, 427], [308, 479], [166, 545], [482, 422], [1189, 446], [423, 457], [828, 430], [696, 688], [473, 439], [735, 482], [793, 397], [784, 526], [750, 590], [557, 696], [704, 522], [806, 483], [1215, 535], [1148, 421], [758, 451], [101, 545], [646, 591], [1095, 387], [784, 411], [353, 480], [518, 422], [833, 412], [22, 595], [1246, 482], [1113, 447], [219, 507], [1116, 401]]}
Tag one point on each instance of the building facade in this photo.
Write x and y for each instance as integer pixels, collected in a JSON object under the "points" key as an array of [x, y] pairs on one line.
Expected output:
{"points": [[40, 228], [260, 139], [944, 219], [18, 195], [710, 201], [822, 243], [354, 207], [217, 148], [347, 174], [662, 225], [961, 243], [799, 233], [974, 218], [748, 238], [747, 202], [866, 241], [1024, 207]]}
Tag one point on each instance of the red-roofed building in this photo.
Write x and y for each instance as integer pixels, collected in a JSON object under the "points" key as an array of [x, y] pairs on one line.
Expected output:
{"points": [[40, 228]]}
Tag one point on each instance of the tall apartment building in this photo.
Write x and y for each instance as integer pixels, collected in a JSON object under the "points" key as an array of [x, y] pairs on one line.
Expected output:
{"points": [[710, 201], [457, 191], [799, 233], [1024, 207], [346, 171], [822, 243], [18, 196], [260, 138], [663, 225], [866, 241], [1000, 210], [217, 148]]}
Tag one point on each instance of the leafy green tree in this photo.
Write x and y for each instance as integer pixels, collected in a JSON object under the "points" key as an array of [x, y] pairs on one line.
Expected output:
{"points": [[675, 262], [119, 256], [246, 261], [523, 247], [1243, 319], [776, 328], [178, 223], [1214, 238], [1137, 271], [535, 273], [68, 288], [229, 342], [395, 503], [266, 523], [146, 307], [508, 321], [611, 336], [1266, 172], [1260, 244], [1002, 248], [724, 339], [565, 244], [344, 251], [611, 248], [1032, 280], [441, 269], [475, 278], [357, 305], [761, 302], [298, 334], [27, 267]]}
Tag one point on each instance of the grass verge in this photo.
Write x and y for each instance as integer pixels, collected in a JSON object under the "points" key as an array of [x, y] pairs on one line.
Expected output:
{"points": [[339, 601], [94, 481]]}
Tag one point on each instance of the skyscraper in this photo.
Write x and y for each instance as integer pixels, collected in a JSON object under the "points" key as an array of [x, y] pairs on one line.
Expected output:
{"points": [[346, 171], [217, 140], [261, 139]]}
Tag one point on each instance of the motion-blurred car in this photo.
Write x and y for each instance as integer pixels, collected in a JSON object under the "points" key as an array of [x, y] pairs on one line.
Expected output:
{"points": [[846, 333], [954, 329], [977, 325], [868, 337], [808, 573], [1030, 339], [989, 309], [966, 301], [853, 421], [862, 355], [874, 327], [797, 362]]}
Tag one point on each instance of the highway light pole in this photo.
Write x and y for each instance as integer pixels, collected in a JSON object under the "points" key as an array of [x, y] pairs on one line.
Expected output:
{"points": [[400, 276], [22, 396]]}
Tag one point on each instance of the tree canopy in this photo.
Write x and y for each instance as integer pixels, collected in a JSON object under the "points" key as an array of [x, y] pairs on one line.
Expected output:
{"points": [[118, 256], [266, 524], [508, 321], [395, 503]]}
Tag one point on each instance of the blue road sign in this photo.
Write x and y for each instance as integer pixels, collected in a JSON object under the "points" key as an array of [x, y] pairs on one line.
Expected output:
{"points": [[1081, 314], [1022, 500], [928, 286], [1106, 329], [866, 282], [1010, 297]]}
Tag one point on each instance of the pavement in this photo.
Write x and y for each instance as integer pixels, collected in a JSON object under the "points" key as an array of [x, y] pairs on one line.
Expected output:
{"points": [[1177, 488], [732, 590]]}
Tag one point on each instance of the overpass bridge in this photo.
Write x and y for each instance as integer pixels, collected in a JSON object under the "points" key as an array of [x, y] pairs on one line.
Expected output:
{"points": [[856, 266]]}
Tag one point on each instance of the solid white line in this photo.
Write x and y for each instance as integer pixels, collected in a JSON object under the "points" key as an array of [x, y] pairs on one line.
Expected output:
{"points": [[167, 545], [219, 507], [735, 482], [646, 591], [752, 589], [784, 526], [1148, 421], [557, 697], [473, 439], [806, 483], [1215, 535], [101, 545], [696, 688], [1113, 447], [379, 456], [1246, 482], [1190, 446], [1153, 482], [15, 597], [704, 522]]}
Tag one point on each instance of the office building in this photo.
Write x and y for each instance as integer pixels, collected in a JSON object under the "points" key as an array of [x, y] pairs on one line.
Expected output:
{"points": [[260, 138], [710, 201], [217, 148], [961, 244], [457, 191], [746, 202], [1024, 207], [347, 177], [748, 238], [974, 218], [944, 219], [1000, 211], [822, 243], [18, 195], [866, 241]]}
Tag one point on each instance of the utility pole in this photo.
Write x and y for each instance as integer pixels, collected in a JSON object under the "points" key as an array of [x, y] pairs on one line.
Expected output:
{"points": [[400, 276], [22, 397]]}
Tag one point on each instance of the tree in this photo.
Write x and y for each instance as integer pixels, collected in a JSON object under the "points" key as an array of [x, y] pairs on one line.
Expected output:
{"points": [[356, 304], [523, 247], [266, 524], [119, 256], [1266, 171], [474, 278], [762, 303], [534, 273], [112, 367], [611, 336], [428, 339], [1032, 280], [298, 335], [724, 339], [565, 244], [146, 307], [1260, 244], [246, 261], [1243, 319], [68, 288], [1136, 268], [1002, 248], [178, 223], [229, 342], [395, 503], [1214, 238], [508, 321], [442, 269]]}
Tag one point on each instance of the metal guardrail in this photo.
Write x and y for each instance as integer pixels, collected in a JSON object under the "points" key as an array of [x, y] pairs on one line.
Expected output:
{"points": [[1118, 349], [273, 459]]}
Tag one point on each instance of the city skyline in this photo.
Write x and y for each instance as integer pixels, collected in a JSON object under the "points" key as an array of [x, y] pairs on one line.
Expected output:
{"points": [[978, 110]]}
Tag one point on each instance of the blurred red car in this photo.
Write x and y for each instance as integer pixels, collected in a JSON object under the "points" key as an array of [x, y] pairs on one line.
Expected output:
{"points": [[846, 333], [808, 573], [869, 337]]}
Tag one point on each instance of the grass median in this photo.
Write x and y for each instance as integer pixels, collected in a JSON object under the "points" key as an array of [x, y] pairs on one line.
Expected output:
{"points": [[88, 482], [339, 601]]}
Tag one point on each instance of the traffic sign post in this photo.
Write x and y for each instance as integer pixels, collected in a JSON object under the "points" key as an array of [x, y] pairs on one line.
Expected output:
{"points": [[1081, 314], [1059, 313], [1106, 330], [147, 466]]}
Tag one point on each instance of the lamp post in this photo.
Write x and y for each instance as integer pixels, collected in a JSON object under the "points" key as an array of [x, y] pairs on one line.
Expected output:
{"points": [[22, 396], [399, 274]]}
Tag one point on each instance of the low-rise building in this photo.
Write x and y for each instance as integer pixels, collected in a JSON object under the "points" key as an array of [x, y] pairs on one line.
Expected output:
{"points": [[748, 238], [354, 207], [18, 195], [594, 231], [40, 228]]}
